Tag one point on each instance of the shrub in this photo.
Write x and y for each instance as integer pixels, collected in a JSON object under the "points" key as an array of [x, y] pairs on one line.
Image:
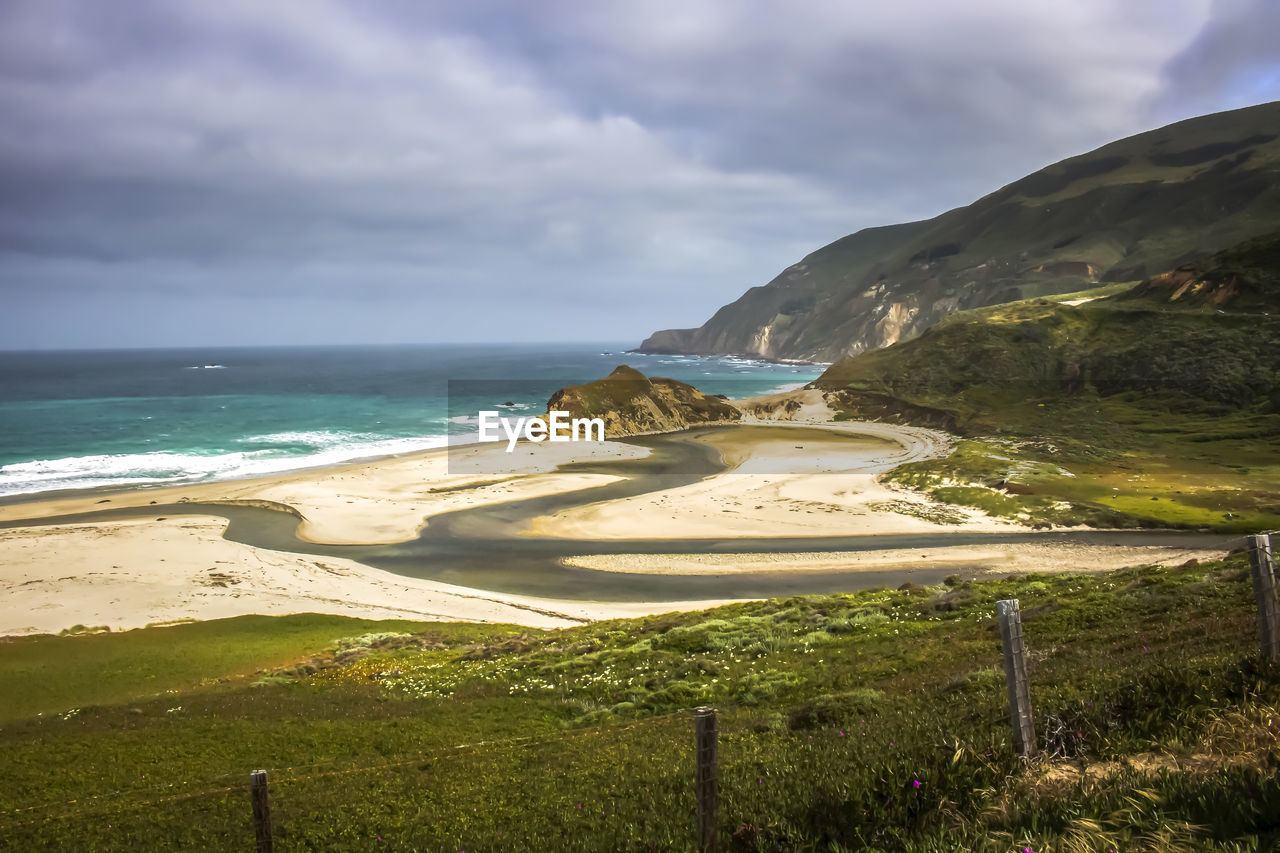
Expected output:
{"points": [[834, 708], [980, 680]]}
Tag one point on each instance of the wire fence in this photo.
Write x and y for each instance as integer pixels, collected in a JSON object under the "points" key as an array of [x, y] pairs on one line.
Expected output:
{"points": [[226, 792], [124, 800]]}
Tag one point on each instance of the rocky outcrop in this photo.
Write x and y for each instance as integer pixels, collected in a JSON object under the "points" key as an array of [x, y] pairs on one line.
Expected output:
{"points": [[632, 404], [1244, 278], [668, 341], [1150, 202], [1204, 334]]}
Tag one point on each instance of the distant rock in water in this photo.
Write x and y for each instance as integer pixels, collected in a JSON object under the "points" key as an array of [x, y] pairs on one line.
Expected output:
{"points": [[631, 404]]}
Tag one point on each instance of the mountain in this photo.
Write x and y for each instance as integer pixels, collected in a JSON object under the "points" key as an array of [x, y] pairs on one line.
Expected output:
{"points": [[1129, 209], [1155, 404], [631, 404], [1207, 333]]}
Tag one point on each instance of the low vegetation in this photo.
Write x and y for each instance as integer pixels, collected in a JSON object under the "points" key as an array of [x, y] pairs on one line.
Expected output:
{"points": [[874, 720], [1158, 405], [1139, 467], [95, 667], [630, 403]]}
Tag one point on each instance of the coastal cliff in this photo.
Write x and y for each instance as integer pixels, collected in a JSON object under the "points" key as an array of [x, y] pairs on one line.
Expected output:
{"points": [[1121, 213], [632, 404], [1198, 339]]}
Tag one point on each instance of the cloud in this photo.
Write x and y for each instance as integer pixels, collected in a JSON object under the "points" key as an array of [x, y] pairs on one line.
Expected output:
{"points": [[1233, 61], [509, 169]]}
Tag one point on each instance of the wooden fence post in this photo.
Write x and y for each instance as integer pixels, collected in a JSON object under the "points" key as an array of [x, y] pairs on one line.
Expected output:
{"points": [[1263, 567], [261, 809], [707, 777], [1015, 671]]}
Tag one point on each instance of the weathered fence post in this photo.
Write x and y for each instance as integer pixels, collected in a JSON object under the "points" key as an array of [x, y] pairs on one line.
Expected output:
{"points": [[1015, 671], [1263, 566], [261, 809], [708, 779]]}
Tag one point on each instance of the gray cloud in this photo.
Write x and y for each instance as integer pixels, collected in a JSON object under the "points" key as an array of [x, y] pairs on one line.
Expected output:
{"points": [[400, 170], [1234, 61]]}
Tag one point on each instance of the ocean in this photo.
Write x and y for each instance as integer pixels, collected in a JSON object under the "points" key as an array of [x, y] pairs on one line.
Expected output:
{"points": [[78, 420]]}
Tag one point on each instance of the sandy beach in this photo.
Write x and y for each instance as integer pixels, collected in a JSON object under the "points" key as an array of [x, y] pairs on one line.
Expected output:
{"points": [[807, 486], [1013, 558], [130, 573], [378, 501]]}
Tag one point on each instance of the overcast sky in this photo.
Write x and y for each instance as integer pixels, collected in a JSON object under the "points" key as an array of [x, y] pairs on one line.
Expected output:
{"points": [[186, 172]]}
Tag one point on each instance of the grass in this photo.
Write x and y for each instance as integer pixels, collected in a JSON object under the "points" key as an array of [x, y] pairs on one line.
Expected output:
{"points": [[874, 720], [46, 675], [1143, 466], [1131, 410]]}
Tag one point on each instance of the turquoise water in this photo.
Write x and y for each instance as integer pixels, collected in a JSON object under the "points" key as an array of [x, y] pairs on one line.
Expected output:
{"points": [[72, 420]]}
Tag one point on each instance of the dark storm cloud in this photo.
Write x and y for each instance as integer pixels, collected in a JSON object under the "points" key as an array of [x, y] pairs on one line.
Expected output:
{"points": [[1234, 60], [408, 170]]}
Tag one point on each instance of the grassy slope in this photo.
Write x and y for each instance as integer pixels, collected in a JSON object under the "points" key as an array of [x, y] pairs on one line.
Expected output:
{"points": [[1129, 409], [833, 709], [41, 675]]}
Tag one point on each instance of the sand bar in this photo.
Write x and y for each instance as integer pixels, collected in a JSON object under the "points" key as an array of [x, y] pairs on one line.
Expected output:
{"points": [[128, 574], [381, 501], [817, 484], [1011, 558], [131, 573]]}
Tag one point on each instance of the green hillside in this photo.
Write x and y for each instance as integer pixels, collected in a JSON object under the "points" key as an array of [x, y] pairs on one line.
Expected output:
{"points": [[1242, 279], [1161, 403], [1123, 212], [876, 720]]}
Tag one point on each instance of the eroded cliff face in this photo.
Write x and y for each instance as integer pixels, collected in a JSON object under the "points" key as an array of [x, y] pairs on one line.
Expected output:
{"points": [[1147, 203], [1203, 334], [889, 329], [632, 404], [1242, 280]]}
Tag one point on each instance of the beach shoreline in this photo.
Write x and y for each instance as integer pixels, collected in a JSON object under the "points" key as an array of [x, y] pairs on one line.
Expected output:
{"points": [[134, 572]]}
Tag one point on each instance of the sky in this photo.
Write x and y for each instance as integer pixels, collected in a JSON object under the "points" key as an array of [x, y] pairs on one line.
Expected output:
{"points": [[193, 173]]}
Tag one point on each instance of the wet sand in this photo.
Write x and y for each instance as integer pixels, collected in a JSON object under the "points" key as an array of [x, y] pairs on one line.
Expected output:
{"points": [[548, 536]]}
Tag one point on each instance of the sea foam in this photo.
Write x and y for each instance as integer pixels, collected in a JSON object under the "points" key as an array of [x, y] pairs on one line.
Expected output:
{"points": [[173, 467]]}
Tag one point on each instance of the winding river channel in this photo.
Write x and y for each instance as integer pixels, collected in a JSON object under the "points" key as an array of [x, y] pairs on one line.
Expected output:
{"points": [[484, 548]]}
